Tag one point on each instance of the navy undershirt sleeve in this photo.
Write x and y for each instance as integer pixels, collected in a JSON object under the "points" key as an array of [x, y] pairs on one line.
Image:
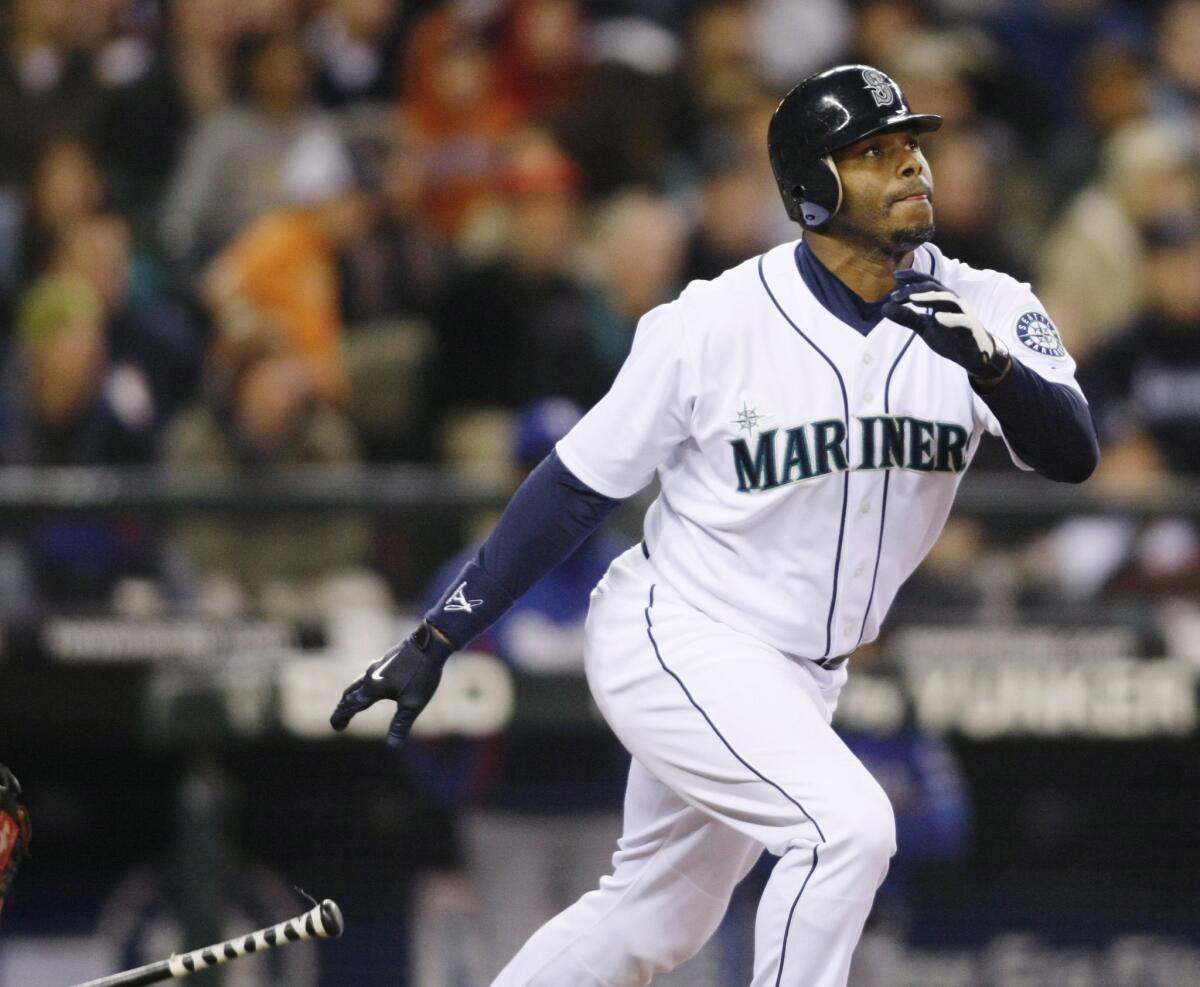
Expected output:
{"points": [[549, 516], [1048, 425]]}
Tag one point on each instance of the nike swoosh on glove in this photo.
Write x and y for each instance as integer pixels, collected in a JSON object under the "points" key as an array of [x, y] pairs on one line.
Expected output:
{"points": [[408, 674], [947, 326]]}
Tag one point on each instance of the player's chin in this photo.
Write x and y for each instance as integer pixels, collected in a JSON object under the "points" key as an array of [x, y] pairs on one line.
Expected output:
{"points": [[912, 235]]}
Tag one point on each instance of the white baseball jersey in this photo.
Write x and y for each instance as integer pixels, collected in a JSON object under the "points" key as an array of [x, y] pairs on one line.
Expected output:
{"points": [[805, 469]]}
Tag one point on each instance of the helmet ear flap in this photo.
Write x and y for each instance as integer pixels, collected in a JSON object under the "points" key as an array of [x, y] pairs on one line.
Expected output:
{"points": [[813, 216], [818, 200]]}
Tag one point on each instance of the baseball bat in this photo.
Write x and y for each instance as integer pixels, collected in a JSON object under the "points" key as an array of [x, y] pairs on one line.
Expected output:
{"points": [[322, 922]]}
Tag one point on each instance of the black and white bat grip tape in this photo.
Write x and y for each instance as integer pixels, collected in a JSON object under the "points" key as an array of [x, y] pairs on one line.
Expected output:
{"points": [[322, 922]]}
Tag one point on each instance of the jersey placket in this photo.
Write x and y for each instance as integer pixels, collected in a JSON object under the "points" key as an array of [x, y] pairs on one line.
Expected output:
{"points": [[867, 379]]}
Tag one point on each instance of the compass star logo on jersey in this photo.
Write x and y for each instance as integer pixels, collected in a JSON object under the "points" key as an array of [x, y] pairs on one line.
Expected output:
{"points": [[748, 418], [1037, 332]]}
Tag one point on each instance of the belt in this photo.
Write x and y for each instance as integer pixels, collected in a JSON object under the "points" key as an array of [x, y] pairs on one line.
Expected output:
{"points": [[829, 664]]}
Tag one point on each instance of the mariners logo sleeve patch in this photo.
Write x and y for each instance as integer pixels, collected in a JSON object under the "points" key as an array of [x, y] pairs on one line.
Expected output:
{"points": [[1035, 330]]}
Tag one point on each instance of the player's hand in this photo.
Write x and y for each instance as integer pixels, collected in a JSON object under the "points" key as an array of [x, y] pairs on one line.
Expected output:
{"points": [[409, 674], [947, 326]]}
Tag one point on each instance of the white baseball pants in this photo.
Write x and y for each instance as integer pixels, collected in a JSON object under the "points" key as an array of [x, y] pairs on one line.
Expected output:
{"points": [[732, 752]]}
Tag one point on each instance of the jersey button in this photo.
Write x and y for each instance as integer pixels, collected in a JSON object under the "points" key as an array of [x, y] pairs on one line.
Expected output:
{"points": [[868, 395], [866, 507], [859, 571], [866, 358]]}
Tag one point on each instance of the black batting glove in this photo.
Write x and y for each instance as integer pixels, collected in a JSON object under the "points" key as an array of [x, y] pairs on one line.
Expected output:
{"points": [[408, 674], [947, 327]]}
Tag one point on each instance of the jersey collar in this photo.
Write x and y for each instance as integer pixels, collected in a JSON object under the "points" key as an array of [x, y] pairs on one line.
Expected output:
{"points": [[837, 299]]}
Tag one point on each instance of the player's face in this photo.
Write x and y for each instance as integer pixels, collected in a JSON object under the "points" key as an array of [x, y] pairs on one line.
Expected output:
{"points": [[887, 192]]}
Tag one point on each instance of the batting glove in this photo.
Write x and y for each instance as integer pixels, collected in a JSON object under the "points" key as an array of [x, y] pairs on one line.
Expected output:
{"points": [[408, 674], [947, 327]]}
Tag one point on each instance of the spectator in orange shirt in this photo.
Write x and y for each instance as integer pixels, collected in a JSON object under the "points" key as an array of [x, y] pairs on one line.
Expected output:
{"points": [[276, 288]]}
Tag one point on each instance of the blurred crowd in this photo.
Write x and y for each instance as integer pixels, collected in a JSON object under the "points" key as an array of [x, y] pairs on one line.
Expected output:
{"points": [[256, 234]]}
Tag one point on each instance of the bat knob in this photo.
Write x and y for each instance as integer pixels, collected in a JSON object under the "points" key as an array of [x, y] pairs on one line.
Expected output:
{"points": [[331, 918]]}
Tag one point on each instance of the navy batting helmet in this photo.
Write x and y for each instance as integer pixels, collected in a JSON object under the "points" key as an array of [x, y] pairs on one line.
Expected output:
{"points": [[827, 111]]}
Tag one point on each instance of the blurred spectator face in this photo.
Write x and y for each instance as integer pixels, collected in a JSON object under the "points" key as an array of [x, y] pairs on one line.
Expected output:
{"points": [[205, 22], [1147, 167], [966, 191], [640, 244], [346, 216], [452, 94], [541, 55], [722, 75], [548, 34], [266, 16], [46, 22], [880, 176], [95, 21], [544, 229], [62, 338], [1114, 86], [1179, 44], [542, 185], [461, 76], [67, 185], [735, 204], [272, 396], [1169, 191], [883, 27], [97, 249], [365, 20], [203, 33], [720, 37], [65, 371], [1173, 280], [279, 75]]}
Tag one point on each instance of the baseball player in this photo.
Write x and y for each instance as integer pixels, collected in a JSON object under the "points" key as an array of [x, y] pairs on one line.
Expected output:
{"points": [[809, 415]]}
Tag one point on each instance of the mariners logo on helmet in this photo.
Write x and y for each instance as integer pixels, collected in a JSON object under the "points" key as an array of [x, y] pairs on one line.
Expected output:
{"points": [[880, 87], [1037, 332]]}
